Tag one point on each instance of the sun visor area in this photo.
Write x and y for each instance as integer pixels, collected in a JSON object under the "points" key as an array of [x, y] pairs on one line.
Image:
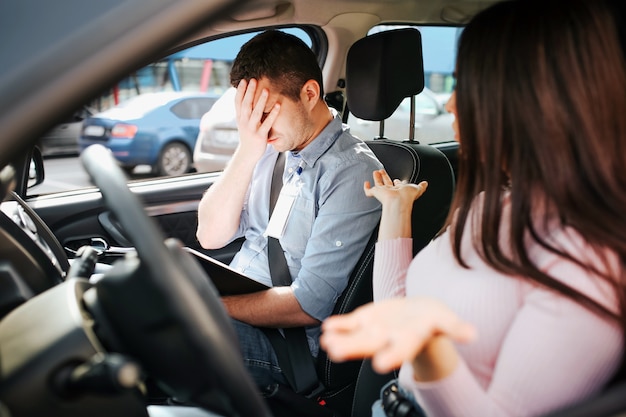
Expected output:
{"points": [[462, 12]]}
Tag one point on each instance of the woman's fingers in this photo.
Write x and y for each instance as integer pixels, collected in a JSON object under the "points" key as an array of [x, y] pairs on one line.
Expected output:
{"points": [[349, 336], [386, 178], [367, 188], [420, 188], [395, 352], [378, 181], [391, 331]]}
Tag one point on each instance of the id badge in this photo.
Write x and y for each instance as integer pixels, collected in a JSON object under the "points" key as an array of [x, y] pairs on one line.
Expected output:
{"points": [[282, 210]]}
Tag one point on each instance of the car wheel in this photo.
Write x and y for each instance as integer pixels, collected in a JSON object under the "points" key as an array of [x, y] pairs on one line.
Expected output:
{"points": [[175, 159]]}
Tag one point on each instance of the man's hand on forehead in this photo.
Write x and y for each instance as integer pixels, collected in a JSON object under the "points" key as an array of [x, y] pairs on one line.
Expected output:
{"points": [[255, 114]]}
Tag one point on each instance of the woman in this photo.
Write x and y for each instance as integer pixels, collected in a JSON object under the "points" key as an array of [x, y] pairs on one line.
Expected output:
{"points": [[517, 307]]}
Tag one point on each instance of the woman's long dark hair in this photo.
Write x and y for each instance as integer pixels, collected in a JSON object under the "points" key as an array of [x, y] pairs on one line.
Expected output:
{"points": [[541, 102]]}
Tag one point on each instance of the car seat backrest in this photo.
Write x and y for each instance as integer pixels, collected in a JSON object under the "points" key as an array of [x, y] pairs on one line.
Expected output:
{"points": [[412, 163]]}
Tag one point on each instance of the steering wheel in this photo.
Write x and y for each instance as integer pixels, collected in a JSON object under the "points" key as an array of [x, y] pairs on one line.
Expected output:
{"points": [[164, 310]]}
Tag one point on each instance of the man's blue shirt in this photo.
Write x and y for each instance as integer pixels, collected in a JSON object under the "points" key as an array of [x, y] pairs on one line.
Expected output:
{"points": [[330, 223]]}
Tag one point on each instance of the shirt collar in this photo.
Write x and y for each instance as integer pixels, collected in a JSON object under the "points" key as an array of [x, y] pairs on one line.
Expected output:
{"points": [[314, 150]]}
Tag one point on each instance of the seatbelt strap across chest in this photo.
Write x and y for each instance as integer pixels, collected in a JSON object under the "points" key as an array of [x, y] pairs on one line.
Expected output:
{"points": [[292, 350]]}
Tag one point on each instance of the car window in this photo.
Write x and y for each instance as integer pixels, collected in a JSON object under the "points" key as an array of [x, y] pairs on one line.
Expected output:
{"points": [[424, 104], [184, 84], [433, 124]]}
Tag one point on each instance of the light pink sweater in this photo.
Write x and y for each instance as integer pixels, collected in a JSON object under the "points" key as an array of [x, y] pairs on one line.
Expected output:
{"points": [[536, 350]]}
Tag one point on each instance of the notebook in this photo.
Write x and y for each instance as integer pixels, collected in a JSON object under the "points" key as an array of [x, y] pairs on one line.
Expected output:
{"points": [[226, 280]]}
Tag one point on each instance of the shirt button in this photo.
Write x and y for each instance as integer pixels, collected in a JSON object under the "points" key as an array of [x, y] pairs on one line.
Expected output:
{"points": [[290, 170], [338, 243]]}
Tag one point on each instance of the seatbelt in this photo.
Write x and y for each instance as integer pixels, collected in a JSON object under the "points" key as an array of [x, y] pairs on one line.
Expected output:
{"points": [[292, 350]]}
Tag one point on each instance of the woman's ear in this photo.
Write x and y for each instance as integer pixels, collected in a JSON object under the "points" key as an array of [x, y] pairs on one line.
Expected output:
{"points": [[310, 93]]}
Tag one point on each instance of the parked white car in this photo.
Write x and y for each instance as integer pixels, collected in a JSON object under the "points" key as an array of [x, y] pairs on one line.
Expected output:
{"points": [[218, 137], [433, 123]]}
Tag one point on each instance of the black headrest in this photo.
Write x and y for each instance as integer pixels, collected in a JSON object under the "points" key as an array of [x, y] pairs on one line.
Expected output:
{"points": [[381, 70]]}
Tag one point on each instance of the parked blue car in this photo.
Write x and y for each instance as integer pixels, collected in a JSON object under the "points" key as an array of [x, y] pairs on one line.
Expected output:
{"points": [[156, 129]]}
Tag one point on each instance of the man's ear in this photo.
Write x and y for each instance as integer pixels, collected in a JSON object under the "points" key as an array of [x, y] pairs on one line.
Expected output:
{"points": [[310, 93]]}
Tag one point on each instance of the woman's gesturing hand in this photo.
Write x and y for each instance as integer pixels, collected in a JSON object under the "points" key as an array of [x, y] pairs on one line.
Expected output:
{"points": [[387, 190], [392, 331], [397, 199]]}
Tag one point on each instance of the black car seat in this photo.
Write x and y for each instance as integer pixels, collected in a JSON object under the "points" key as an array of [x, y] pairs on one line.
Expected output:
{"points": [[382, 70]]}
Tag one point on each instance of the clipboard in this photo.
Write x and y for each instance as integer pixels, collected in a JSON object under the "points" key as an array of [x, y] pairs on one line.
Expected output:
{"points": [[227, 280]]}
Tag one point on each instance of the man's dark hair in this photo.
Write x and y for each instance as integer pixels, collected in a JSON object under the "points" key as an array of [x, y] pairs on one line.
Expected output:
{"points": [[283, 58]]}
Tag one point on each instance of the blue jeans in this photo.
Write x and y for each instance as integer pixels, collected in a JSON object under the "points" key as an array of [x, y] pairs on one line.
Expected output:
{"points": [[258, 355]]}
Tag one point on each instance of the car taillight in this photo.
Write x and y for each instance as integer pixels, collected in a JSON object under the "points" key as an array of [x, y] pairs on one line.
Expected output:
{"points": [[121, 130]]}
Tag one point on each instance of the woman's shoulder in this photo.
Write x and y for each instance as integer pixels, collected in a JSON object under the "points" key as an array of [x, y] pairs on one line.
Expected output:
{"points": [[571, 259]]}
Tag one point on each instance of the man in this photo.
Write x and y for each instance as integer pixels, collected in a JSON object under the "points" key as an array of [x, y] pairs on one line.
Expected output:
{"points": [[328, 220]]}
